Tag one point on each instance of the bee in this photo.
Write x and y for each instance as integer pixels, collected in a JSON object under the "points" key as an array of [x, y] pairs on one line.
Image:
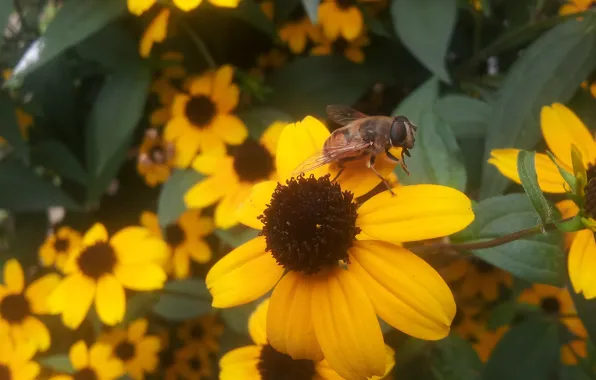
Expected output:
{"points": [[363, 136]]}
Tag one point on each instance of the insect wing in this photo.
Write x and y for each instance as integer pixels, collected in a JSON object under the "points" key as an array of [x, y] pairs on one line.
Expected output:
{"points": [[343, 115], [331, 154]]}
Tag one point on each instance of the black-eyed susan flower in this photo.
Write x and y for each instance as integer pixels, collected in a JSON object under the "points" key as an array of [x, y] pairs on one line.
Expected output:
{"points": [[576, 6], [558, 303], [95, 362], [185, 238], [155, 161], [201, 334], [201, 120], [477, 277], [352, 50], [58, 247], [328, 285], [20, 305], [192, 364], [137, 7], [296, 31], [268, 62], [262, 361], [136, 350], [16, 361], [102, 268], [156, 31], [229, 178], [562, 130], [341, 18]]}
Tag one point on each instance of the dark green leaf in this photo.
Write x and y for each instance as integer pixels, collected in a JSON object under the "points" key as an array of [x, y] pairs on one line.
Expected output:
{"points": [[251, 13], [425, 28], [466, 116], [538, 258], [237, 235], [572, 225], [456, 359], [6, 8], [283, 9], [526, 169], [182, 300], [586, 310], [170, 204], [375, 25], [312, 9], [550, 70], [257, 119], [192, 286], [504, 313], [75, 21], [22, 190], [138, 306], [113, 47], [53, 154], [529, 350], [59, 363], [436, 157], [9, 126], [568, 177], [236, 318]]}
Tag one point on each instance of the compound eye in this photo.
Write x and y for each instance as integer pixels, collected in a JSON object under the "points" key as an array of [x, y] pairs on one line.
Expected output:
{"points": [[398, 132]]}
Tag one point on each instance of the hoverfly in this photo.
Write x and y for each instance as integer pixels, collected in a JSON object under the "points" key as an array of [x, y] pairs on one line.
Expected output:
{"points": [[362, 136]]}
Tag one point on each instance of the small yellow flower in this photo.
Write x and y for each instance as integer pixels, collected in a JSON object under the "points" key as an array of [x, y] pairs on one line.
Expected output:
{"points": [[96, 362], [201, 120], [156, 31], [262, 361], [477, 277], [296, 31], [185, 238], [138, 7], [155, 161], [341, 18], [102, 268], [58, 247], [229, 178], [575, 6], [137, 351], [16, 361], [352, 50], [201, 334], [192, 364], [19, 306]]}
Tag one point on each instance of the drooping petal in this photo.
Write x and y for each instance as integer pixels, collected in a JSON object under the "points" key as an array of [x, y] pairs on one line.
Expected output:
{"points": [[14, 277], [96, 234], [325, 372], [257, 202], [289, 318], [181, 263], [257, 323], [110, 301], [346, 326], [79, 355], [405, 291], [581, 261], [243, 275], [416, 212], [73, 298], [549, 178], [155, 32]]}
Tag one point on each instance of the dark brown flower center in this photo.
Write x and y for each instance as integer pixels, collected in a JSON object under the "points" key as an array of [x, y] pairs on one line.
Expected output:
{"points": [[197, 332], [200, 110], [273, 365], [345, 4], [297, 14], [85, 374], [195, 364], [97, 260], [166, 358], [174, 235], [125, 351], [5, 372], [61, 245], [590, 190], [483, 267], [340, 45], [550, 305], [14, 308], [309, 224], [252, 161]]}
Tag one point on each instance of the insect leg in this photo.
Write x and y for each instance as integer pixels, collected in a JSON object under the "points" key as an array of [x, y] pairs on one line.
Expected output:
{"points": [[340, 163], [391, 156], [371, 164]]}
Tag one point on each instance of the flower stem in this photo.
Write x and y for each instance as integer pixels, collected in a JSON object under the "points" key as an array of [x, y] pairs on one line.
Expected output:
{"points": [[200, 45]]}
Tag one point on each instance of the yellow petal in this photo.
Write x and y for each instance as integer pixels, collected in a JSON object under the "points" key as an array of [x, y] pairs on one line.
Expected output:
{"points": [[225, 3], [96, 234], [187, 5], [232, 280], [178, 109], [270, 137], [110, 301], [210, 164], [240, 363], [37, 332], [225, 211], [329, 20], [230, 128], [206, 192], [298, 142], [325, 372], [257, 323], [258, 199], [200, 252], [155, 32], [405, 291], [28, 371], [549, 178], [359, 178], [346, 326], [416, 212], [561, 128], [37, 293], [581, 261], [136, 245], [141, 277], [78, 355], [13, 276], [181, 263], [568, 209], [352, 23], [73, 298], [137, 330], [137, 7], [289, 319]]}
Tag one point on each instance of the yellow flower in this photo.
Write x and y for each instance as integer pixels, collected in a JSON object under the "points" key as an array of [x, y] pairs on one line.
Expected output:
{"points": [[96, 362], [562, 129], [19, 306], [156, 31], [341, 18], [229, 178], [156, 158], [201, 334], [262, 361], [58, 247], [557, 302], [138, 7], [352, 50], [201, 120], [575, 6], [185, 362], [15, 361], [296, 31], [477, 277], [329, 286], [101, 270], [137, 351], [185, 238]]}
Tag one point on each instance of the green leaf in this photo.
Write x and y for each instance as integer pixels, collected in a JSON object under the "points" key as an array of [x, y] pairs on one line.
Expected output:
{"points": [[9, 126], [586, 310], [250, 12], [193, 286], [456, 359], [436, 157], [526, 169], [568, 177], [550, 70], [466, 116], [75, 21], [283, 8], [183, 299], [529, 350], [22, 190], [257, 119], [170, 204], [59, 363], [537, 258], [53, 154], [138, 306], [425, 27], [237, 235], [236, 318], [572, 225], [312, 9], [112, 47], [6, 8]]}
